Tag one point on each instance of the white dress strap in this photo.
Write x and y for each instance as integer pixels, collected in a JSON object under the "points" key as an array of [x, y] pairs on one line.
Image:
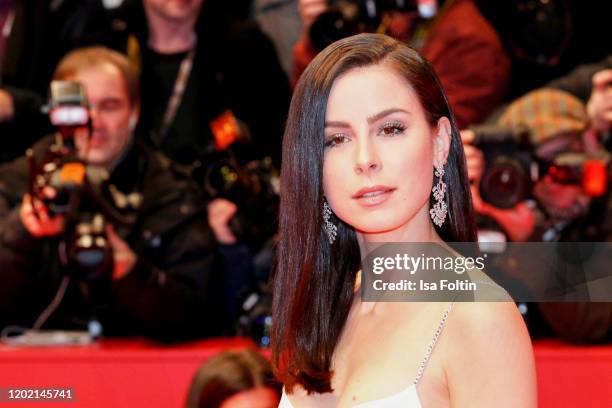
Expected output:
{"points": [[432, 344]]}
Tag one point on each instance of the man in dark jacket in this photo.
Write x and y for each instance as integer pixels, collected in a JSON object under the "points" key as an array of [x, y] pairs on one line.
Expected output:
{"points": [[197, 63], [165, 281]]}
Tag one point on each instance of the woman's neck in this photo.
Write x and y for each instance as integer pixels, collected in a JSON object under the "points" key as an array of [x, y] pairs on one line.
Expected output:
{"points": [[167, 37], [418, 229]]}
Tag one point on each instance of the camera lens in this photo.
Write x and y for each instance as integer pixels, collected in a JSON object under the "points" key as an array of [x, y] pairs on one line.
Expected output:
{"points": [[222, 178], [505, 183]]}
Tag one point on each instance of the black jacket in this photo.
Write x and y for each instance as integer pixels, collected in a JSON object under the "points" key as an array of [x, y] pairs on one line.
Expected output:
{"points": [[235, 68], [173, 292]]}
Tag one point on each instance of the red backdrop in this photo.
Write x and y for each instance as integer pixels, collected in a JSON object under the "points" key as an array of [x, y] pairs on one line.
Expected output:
{"points": [[134, 373]]}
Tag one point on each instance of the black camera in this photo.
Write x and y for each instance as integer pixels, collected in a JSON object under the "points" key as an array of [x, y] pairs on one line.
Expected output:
{"points": [[253, 186], [344, 18], [513, 165], [511, 168], [80, 189], [61, 168]]}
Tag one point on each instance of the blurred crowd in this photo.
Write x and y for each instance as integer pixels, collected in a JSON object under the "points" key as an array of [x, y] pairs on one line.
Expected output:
{"points": [[146, 202]]}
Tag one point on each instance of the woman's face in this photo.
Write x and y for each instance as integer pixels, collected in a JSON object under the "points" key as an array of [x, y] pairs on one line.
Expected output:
{"points": [[380, 153]]}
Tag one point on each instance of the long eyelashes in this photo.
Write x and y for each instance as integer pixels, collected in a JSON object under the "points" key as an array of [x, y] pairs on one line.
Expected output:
{"points": [[388, 129], [335, 140], [392, 128]]}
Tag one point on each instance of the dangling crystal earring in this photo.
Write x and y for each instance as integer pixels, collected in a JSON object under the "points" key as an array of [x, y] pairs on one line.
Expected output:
{"points": [[330, 229], [438, 212]]}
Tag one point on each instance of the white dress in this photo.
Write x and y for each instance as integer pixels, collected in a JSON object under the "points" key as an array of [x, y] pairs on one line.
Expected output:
{"points": [[409, 397]]}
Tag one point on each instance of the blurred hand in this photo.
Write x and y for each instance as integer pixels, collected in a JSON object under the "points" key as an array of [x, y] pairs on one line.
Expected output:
{"points": [[467, 136], [473, 156], [475, 163], [220, 212], [480, 206], [518, 222], [7, 108], [35, 216], [310, 10], [123, 256], [599, 106], [565, 201]]}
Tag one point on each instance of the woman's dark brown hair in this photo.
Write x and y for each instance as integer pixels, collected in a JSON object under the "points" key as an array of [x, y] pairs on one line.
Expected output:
{"points": [[313, 285], [228, 373]]}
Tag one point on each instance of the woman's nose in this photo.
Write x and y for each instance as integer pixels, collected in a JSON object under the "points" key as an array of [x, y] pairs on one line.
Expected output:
{"points": [[367, 160]]}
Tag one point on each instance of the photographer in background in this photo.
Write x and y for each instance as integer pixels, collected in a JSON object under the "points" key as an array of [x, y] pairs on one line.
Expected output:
{"points": [[213, 92], [560, 208], [563, 140], [167, 278], [460, 43], [510, 164], [198, 62]]}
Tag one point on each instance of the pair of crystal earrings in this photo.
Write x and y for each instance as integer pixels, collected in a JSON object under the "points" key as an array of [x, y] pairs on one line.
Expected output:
{"points": [[437, 212]]}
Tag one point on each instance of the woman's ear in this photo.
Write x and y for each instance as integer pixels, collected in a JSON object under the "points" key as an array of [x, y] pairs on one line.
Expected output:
{"points": [[442, 140]]}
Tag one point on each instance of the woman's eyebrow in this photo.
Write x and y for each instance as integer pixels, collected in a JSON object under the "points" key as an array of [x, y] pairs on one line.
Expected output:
{"points": [[337, 124], [386, 112], [370, 119]]}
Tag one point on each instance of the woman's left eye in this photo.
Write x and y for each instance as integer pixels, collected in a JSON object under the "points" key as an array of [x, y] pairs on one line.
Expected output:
{"points": [[392, 129]]}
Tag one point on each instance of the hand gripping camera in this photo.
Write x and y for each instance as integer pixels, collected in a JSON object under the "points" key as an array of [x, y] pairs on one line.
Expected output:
{"points": [[79, 187], [514, 165]]}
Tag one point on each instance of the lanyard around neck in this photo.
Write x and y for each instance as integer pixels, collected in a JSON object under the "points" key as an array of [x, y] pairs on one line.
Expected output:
{"points": [[177, 95]]}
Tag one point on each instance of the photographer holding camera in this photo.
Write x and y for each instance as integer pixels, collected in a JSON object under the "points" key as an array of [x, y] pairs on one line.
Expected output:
{"points": [[540, 154], [214, 101], [569, 201], [165, 276]]}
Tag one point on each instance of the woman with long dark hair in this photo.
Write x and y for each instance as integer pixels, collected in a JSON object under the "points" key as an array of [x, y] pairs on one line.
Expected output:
{"points": [[370, 135]]}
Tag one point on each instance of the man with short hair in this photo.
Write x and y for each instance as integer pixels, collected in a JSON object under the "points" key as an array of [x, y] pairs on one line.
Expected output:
{"points": [[166, 279]]}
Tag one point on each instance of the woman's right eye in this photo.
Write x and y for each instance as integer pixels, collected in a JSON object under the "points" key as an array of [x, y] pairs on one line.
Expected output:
{"points": [[336, 140]]}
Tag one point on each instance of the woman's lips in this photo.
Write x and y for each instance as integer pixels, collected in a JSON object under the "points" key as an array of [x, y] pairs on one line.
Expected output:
{"points": [[372, 196]]}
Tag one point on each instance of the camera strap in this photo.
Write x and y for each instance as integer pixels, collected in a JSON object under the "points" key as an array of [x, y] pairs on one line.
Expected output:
{"points": [[177, 95]]}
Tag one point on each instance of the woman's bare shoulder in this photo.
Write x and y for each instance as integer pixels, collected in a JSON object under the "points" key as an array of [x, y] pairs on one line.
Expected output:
{"points": [[487, 290], [488, 319], [490, 355]]}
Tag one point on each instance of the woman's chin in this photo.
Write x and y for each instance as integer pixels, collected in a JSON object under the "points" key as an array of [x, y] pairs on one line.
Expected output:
{"points": [[380, 228]]}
